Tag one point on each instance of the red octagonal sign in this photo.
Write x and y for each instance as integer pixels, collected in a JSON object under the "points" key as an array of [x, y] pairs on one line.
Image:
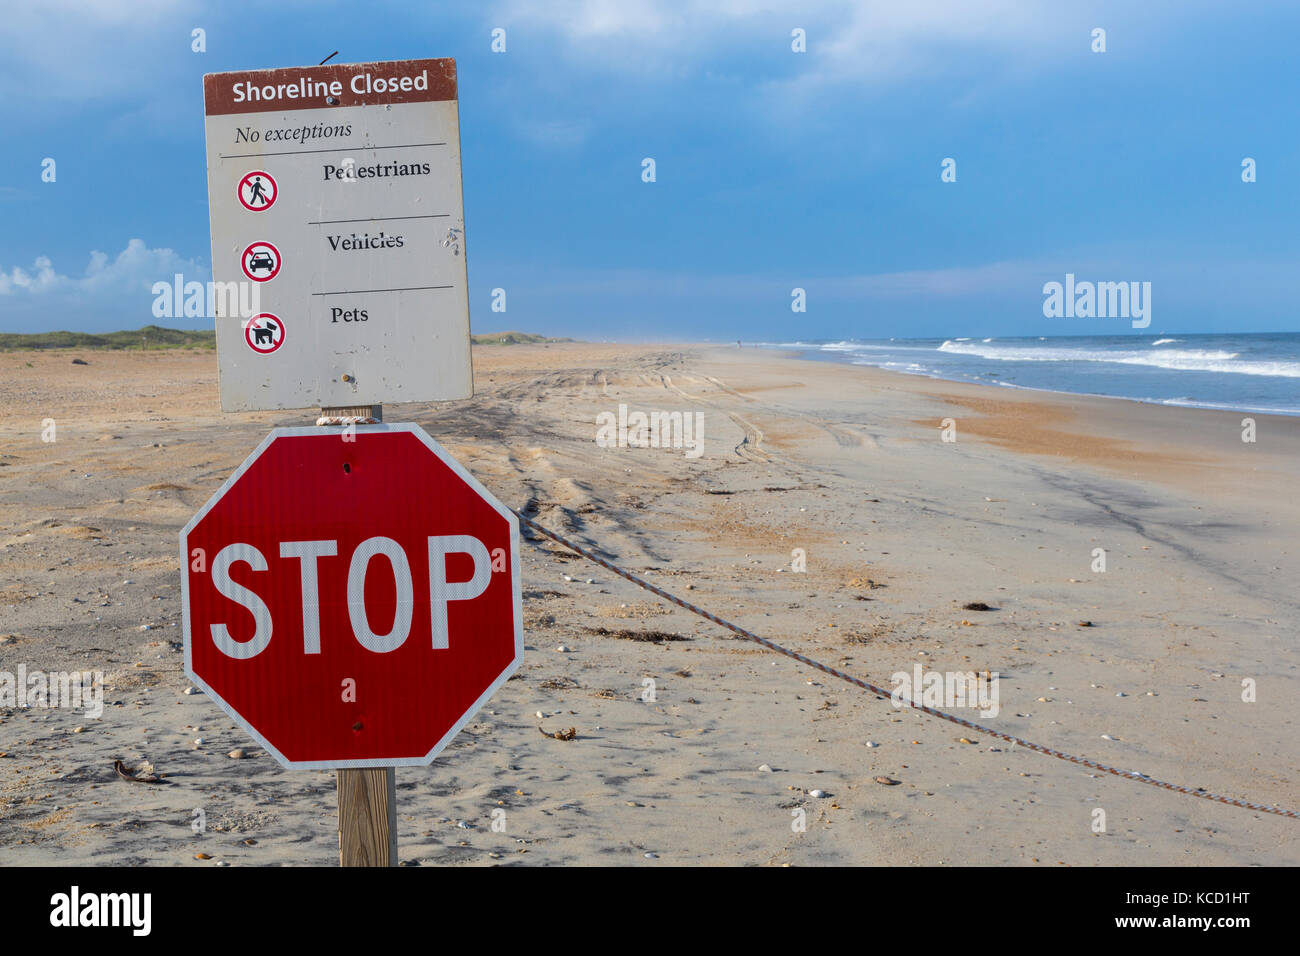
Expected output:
{"points": [[351, 597]]}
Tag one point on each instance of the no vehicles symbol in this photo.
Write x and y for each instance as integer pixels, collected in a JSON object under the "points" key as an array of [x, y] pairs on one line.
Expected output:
{"points": [[264, 333], [260, 261], [258, 191]]}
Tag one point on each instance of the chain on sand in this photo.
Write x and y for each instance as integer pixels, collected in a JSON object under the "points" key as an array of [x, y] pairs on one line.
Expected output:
{"points": [[882, 692]]}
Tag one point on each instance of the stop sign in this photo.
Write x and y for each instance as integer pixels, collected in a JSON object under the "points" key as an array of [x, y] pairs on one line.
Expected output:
{"points": [[351, 597]]}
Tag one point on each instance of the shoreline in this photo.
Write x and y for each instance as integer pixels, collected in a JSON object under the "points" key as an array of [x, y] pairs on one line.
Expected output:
{"points": [[1203, 433], [811, 356]]}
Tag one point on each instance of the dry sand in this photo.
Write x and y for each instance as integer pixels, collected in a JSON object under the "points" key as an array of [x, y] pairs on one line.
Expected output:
{"points": [[900, 529]]}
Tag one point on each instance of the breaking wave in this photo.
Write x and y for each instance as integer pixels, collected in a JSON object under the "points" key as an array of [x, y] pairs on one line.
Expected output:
{"points": [[1180, 360]]}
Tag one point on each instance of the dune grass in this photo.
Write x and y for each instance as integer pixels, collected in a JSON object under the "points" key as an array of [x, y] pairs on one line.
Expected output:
{"points": [[155, 337]]}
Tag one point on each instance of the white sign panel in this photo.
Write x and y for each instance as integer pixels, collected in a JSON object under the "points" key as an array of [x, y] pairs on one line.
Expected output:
{"points": [[338, 235]]}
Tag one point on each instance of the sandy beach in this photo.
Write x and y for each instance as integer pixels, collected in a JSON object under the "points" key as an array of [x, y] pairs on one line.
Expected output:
{"points": [[839, 468]]}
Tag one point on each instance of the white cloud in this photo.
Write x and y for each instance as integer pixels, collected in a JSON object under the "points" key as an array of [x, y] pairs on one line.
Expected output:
{"points": [[850, 43], [110, 293], [1244, 283], [81, 50], [994, 277], [997, 277], [17, 281]]}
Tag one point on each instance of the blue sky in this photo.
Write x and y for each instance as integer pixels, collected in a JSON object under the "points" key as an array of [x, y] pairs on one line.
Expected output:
{"points": [[775, 169]]}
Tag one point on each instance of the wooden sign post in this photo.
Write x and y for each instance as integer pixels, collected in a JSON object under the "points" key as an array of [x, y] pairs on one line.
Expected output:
{"points": [[367, 817]]}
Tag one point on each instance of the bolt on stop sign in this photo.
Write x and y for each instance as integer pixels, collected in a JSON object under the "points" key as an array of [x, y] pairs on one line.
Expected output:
{"points": [[351, 598]]}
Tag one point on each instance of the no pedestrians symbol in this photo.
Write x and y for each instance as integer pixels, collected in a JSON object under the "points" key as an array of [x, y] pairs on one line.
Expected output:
{"points": [[260, 261], [264, 333], [258, 191]]}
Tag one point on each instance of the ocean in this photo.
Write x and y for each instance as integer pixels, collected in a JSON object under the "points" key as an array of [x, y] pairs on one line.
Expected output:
{"points": [[1257, 372]]}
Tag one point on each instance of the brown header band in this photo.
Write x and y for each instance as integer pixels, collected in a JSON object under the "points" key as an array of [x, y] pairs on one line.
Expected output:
{"points": [[325, 87]]}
